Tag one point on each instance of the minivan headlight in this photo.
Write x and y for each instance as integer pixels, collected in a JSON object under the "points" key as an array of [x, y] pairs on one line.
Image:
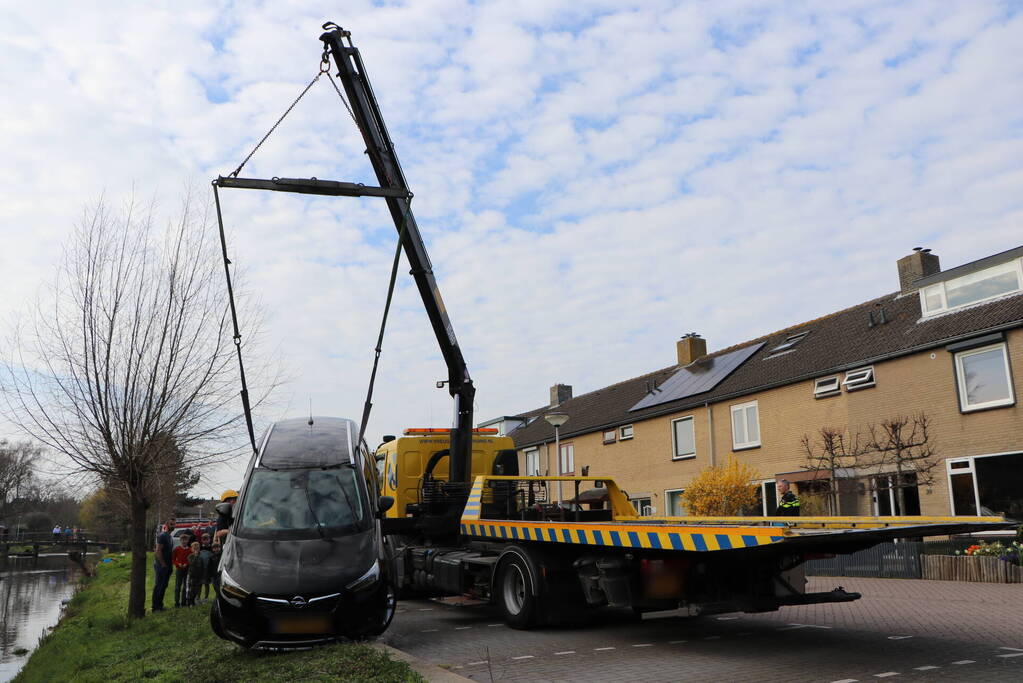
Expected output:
{"points": [[230, 590], [367, 580]]}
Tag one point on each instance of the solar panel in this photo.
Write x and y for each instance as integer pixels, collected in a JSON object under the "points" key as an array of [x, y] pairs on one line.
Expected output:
{"points": [[698, 377]]}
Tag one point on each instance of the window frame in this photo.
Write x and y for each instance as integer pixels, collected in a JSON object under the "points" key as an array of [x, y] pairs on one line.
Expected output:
{"points": [[667, 501], [639, 508], [561, 459], [621, 432], [941, 288], [970, 468], [960, 379], [745, 445], [818, 392], [613, 433], [674, 439], [852, 383], [764, 484], [535, 451]]}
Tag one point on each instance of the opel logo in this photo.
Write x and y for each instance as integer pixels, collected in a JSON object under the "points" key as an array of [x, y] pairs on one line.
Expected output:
{"points": [[298, 602]]}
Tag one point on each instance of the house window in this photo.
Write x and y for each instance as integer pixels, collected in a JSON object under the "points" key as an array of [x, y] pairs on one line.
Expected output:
{"points": [[609, 435], [828, 386], [987, 485], [643, 506], [674, 504], [567, 460], [859, 379], [745, 426], [972, 288], [683, 438], [789, 343], [983, 378], [533, 462], [624, 432]]}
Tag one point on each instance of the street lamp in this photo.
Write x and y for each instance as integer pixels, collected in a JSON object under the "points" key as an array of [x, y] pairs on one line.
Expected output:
{"points": [[556, 420]]}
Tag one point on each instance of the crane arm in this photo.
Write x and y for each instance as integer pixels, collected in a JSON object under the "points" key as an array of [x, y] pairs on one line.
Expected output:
{"points": [[380, 149]]}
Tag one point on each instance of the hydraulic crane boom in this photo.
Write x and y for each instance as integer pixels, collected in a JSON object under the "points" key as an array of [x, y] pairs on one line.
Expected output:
{"points": [[380, 149]]}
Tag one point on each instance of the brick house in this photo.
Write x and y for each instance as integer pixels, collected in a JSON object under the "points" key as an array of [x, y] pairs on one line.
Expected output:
{"points": [[948, 345]]}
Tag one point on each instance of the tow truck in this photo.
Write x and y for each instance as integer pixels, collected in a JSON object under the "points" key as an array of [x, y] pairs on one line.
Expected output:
{"points": [[466, 522]]}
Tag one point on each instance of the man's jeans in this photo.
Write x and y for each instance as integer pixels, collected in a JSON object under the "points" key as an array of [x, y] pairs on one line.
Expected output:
{"points": [[160, 586]]}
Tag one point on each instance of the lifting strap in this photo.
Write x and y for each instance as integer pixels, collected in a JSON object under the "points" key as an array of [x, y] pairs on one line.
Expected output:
{"points": [[368, 405], [312, 187], [234, 318]]}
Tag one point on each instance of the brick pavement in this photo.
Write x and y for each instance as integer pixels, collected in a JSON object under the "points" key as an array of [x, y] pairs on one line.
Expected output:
{"points": [[958, 610], [916, 629]]}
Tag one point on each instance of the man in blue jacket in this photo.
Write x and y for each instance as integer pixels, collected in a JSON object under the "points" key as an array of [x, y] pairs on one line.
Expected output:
{"points": [[162, 565]]}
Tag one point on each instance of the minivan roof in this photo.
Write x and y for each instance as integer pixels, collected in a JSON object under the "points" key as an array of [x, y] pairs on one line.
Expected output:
{"points": [[295, 443]]}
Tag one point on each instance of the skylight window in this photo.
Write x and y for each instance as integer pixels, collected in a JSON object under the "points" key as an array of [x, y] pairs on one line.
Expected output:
{"points": [[789, 343], [972, 288]]}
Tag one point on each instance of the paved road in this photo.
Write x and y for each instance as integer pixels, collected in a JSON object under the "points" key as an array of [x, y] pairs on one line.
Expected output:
{"points": [[917, 630]]}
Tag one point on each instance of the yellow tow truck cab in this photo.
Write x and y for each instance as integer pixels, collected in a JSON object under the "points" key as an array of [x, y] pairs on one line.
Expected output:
{"points": [[402, 462]]}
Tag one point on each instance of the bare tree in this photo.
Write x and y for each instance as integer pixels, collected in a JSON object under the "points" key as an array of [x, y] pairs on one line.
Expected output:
{"points": [[828, 452], [130, 354], [17, 472], [900, 447]]}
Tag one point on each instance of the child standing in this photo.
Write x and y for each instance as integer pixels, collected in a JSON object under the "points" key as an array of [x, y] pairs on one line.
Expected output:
{"points": [[215, 567], [180, 561], [195, 573], [206, 556]]}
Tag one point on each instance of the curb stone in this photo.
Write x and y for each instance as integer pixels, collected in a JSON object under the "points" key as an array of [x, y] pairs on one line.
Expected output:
{"points": [[430, 672]]}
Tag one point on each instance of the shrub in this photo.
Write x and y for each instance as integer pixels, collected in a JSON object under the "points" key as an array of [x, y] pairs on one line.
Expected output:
{"points": [[722, 490]]}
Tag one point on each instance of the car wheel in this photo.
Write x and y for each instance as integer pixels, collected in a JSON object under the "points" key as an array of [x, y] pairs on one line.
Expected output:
{"points": [[385, 612], [215, 620], [377, 615]]}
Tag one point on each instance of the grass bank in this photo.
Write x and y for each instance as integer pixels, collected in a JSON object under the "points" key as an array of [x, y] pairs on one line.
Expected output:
{"points": [[96, 642]]}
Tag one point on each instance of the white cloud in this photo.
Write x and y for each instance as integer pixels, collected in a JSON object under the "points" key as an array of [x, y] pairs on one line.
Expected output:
{"points": [[593, 179]]}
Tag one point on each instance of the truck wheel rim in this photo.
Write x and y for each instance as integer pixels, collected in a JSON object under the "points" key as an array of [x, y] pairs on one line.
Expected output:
{"points": [[514, 589]]}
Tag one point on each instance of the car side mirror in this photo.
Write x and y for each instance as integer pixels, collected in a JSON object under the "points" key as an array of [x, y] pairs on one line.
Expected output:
{"points": [[384, 503]]}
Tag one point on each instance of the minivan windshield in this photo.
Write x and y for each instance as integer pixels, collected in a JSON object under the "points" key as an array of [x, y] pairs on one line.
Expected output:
{"points": [[293, 503]]}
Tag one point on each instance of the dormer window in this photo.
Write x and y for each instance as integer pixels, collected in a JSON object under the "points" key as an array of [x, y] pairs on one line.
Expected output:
{"points": [[972, 288], [789, 343]]}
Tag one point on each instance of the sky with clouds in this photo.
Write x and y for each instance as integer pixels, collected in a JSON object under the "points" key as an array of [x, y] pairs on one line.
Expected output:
{"points": [[592, 179]]}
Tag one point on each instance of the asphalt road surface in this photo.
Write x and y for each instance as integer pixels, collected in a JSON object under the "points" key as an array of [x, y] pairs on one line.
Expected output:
{"points": [[900, 629]]}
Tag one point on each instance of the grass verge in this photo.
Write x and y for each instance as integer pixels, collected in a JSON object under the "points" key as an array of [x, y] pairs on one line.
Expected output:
{"points": [[95, 641]]}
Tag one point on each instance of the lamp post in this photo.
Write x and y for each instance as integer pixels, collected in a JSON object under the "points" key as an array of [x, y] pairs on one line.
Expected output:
{"points": [[556, 420]]}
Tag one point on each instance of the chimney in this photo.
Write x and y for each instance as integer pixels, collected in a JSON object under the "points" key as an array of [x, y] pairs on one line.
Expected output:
{"points": [[920, 263], [690, 347], [560, 393]]}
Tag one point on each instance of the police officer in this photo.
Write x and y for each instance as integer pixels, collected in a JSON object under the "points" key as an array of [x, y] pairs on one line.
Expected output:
{"points": [[788, 502]]}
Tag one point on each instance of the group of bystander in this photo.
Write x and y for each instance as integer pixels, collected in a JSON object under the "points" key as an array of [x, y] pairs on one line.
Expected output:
{"points": [[67, 534], [194, 563]]}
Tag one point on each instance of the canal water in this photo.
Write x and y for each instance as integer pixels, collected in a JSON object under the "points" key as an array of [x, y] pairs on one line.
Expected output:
{"points": [[31, 593]]}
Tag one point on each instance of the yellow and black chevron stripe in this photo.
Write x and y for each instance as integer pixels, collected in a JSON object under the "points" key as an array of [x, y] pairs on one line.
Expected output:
{"points": [[621, 536]]}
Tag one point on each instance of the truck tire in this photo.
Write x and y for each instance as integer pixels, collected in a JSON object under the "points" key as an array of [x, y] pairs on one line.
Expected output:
{"points": [[515, 593]]}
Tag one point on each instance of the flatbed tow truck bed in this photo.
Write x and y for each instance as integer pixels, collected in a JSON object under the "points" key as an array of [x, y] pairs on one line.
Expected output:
{"points": [[705, 534]]}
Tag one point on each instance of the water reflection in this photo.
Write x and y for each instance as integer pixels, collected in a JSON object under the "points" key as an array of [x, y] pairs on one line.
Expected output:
{"points": [[31, 591]]}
